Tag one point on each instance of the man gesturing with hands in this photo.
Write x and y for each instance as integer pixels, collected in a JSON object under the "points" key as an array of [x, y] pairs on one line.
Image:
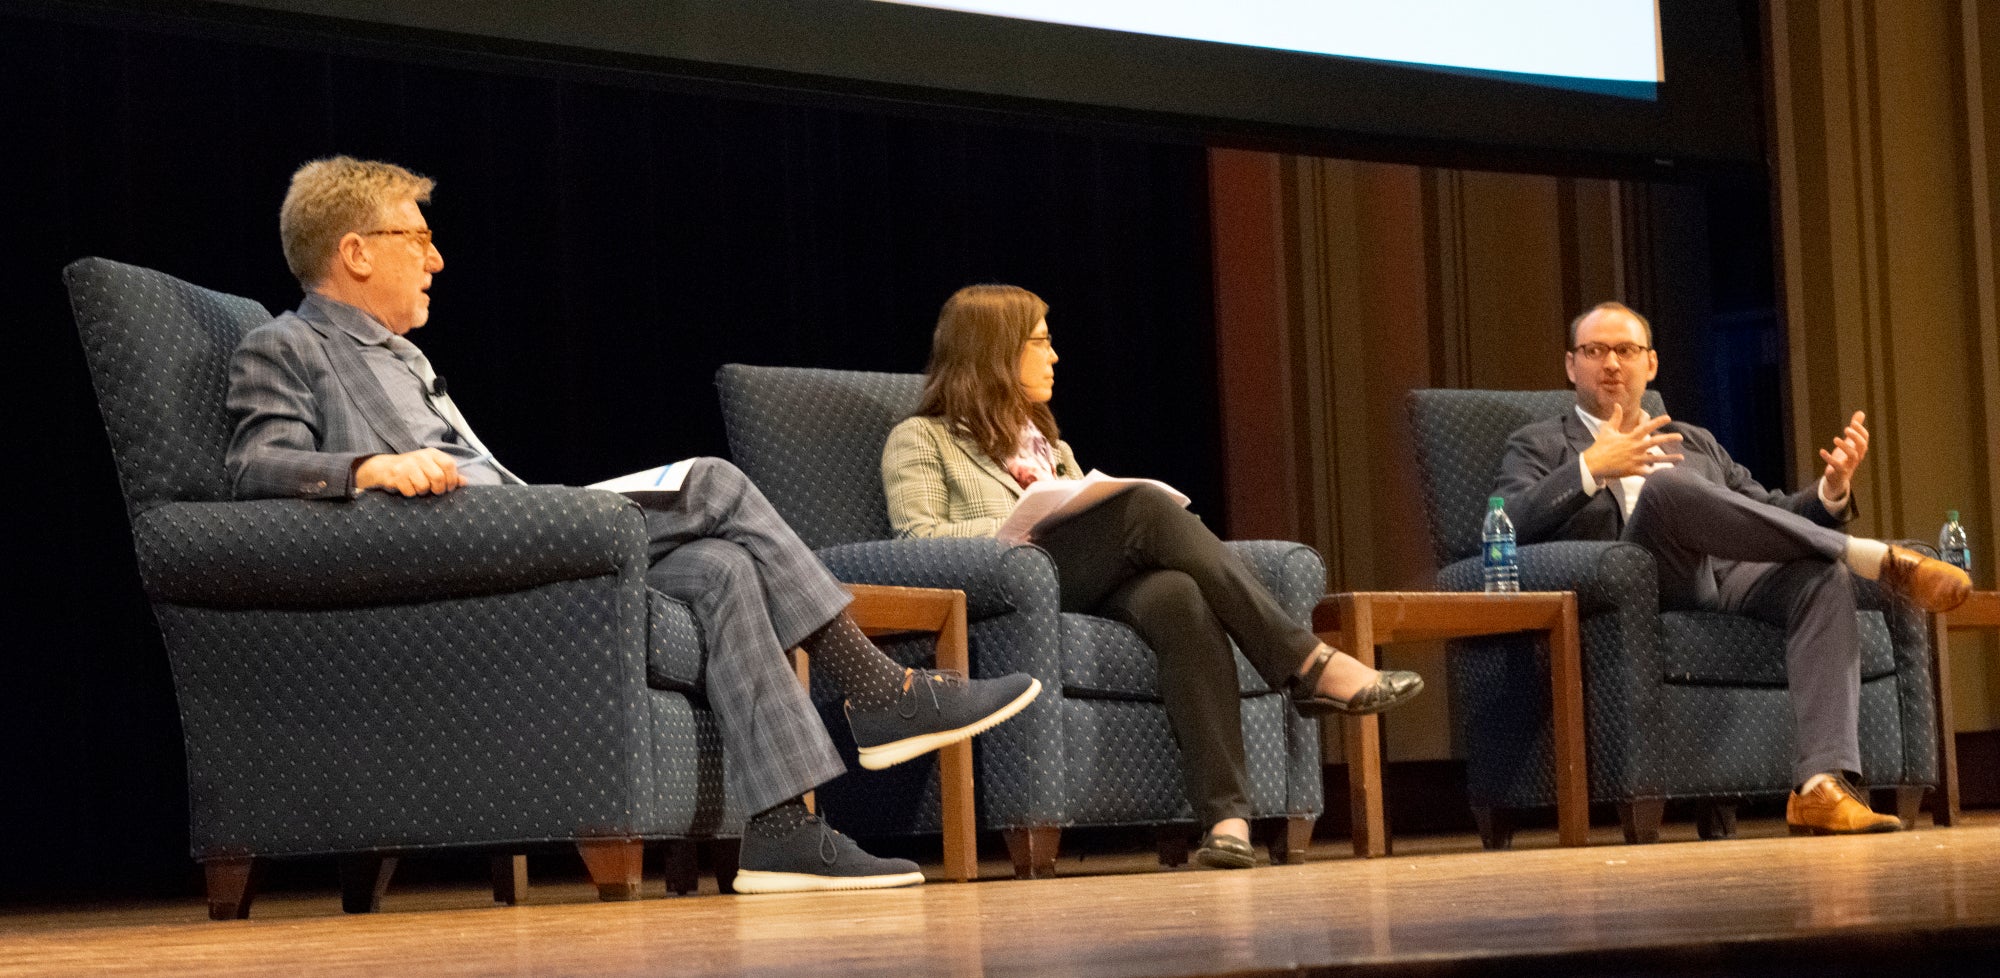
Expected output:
{"points": [[1609, 471]]}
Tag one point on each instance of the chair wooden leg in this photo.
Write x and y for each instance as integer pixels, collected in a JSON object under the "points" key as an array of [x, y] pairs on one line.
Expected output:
{"points": [[1640, 818], [614, 865], [510, 879], [1909, 801], [683, 871], [364, 877], [1496, 827], [1290, 839], [723, 855], [1034, 851], [232, 884], [1716, 819], [1172, 843]]}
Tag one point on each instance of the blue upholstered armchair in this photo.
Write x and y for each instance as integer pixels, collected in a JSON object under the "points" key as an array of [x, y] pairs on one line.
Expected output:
{"points": [[1677, 705], [364, 679], [1095, 749]]}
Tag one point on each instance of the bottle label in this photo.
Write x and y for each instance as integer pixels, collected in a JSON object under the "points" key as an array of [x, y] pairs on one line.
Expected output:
{"points": [[1499, 553]]}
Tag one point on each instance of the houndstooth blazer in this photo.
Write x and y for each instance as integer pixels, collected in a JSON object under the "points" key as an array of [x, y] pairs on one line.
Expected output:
{"points": [[941, 485]]}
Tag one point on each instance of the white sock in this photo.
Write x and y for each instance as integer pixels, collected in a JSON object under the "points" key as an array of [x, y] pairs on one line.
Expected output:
{"points": [[1814, 782], [1865, 556]]}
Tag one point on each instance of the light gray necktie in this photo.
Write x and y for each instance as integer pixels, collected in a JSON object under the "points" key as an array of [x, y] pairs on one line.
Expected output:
{"points": [[440, 401]]}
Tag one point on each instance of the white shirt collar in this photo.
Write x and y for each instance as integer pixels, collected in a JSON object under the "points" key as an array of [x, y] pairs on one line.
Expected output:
{"points": [[1592, 422]]}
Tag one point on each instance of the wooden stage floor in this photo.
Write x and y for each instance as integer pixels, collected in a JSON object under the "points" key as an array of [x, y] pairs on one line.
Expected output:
{"points": [[1925, 902]]}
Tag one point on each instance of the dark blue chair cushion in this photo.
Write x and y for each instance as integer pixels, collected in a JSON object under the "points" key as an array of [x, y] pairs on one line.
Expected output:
{"points": [[162, 387], [1715, 649], [673, 644], [833, 494]]}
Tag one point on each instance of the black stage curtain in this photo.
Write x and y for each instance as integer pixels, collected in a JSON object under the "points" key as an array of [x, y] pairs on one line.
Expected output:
{"points": [[609, 241]]}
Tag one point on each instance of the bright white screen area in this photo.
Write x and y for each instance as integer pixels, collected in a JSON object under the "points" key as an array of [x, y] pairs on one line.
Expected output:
{"points": [[1605, 40]]}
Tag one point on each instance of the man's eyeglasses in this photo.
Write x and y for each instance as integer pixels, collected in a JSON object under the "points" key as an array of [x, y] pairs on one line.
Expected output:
{"points": [[422, 236], [1598, 351]]}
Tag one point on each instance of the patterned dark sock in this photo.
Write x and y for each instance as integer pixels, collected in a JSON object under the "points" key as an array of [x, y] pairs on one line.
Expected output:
{"points": [[779, 819], [869, 679]]}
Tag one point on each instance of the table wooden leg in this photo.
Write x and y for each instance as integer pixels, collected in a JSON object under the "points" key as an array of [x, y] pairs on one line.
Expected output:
{"points": [[1944, 809], [1364, 742], [961, 822], [1566, 707]]}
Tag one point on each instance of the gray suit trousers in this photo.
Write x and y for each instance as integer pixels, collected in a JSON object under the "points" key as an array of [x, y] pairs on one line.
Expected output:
{"points": [[756, 591], [1718, 551]]}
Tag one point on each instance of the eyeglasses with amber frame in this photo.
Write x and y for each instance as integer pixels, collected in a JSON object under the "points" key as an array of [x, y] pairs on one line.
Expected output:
{"points": [[422, 236]]}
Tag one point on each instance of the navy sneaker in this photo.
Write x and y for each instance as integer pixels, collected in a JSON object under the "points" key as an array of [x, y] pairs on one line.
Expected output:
{"points": [[811, 856], [936, 708]]}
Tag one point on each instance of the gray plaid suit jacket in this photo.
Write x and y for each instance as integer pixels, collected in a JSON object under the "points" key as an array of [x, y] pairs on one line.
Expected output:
{"points": [[305, 407]]}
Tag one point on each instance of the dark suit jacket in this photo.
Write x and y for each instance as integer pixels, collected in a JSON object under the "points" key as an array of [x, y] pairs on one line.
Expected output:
{"points": [[305, 407], [1541, 482]]}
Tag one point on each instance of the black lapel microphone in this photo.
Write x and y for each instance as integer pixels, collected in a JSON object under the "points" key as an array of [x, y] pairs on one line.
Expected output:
{"points": [[437, 387]]}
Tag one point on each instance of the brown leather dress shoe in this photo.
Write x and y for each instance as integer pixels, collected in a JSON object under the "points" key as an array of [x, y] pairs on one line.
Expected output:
{"points": [[1930, 584], [1833, 808]]}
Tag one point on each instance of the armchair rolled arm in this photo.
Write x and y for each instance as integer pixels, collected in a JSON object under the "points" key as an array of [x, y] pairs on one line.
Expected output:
{"points": [[1294, 573], [378, 548], [993, 575], [1605, 574]]}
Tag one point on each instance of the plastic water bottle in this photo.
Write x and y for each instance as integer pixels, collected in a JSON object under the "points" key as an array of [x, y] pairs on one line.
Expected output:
{"points": [[1502, 572], [1952, 545]]}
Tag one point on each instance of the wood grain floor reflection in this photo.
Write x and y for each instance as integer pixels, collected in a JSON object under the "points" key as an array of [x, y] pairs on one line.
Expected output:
{"points": [[1438, 902]]}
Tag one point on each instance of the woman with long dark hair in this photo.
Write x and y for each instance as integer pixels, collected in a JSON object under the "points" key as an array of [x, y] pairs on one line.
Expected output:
{"points": [[984, 433]]}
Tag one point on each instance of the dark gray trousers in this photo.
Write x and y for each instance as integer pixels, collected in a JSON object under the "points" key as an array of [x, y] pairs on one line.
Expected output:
{"points": [[1141, 559], [1718, 551], [756, 591]]}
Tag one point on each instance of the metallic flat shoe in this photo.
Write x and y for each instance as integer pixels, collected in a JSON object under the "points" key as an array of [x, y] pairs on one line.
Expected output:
{"points": [[1395, 687], [1225, 852]]}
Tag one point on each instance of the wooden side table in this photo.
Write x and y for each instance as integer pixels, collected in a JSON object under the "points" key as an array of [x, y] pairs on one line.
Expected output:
{"points": [[1356, 622], [1982, 610]]}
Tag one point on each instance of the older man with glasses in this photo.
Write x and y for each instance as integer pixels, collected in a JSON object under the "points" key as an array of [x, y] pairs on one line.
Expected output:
{"points": [[333, 399], [1610, 471]]}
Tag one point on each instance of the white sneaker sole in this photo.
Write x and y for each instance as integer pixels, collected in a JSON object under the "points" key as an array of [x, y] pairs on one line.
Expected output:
{"points": [[896, 752], [765, 881]]}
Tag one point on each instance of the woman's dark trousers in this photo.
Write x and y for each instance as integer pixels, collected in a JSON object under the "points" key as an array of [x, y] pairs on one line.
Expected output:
{"points": [[1141, 559]]}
